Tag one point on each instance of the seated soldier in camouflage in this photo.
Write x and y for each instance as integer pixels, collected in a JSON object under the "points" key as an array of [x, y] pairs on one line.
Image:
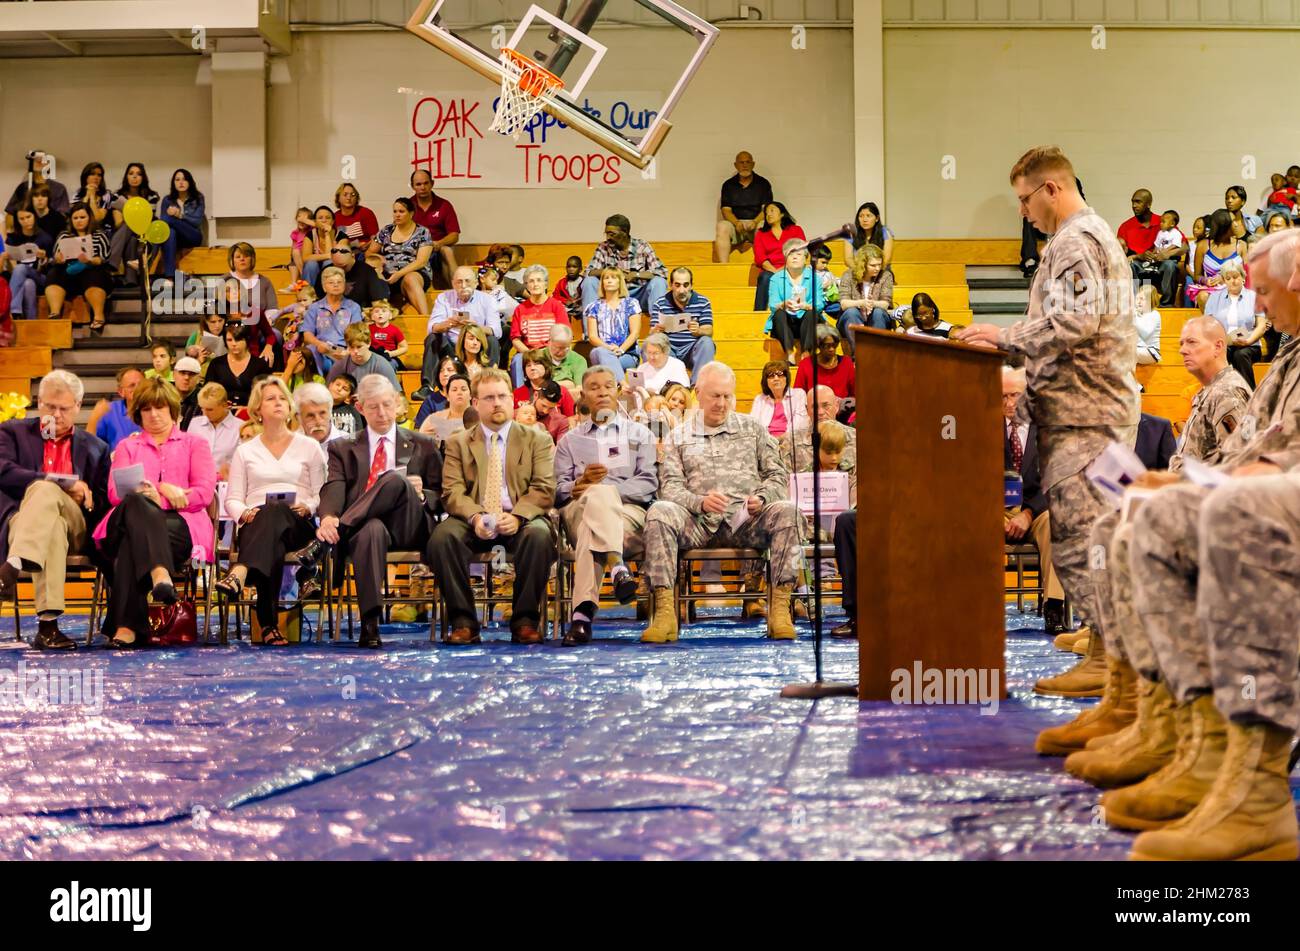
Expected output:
{"points": [[1131, 696], [1216, 579], [722, 485]]}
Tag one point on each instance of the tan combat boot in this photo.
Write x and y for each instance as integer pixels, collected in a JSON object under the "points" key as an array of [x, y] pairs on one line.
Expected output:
{"points": [[1118, 708], [1175, 790], [1138, 751], [1087, 678], [1248, 814], [780, 623], [663, 626], [1067, 639], [1081, 645], [754, 581]]}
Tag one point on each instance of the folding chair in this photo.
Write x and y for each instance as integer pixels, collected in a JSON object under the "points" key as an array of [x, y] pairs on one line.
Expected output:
{"points": [[324, 604], [347, 596], [1024, 559], [687, 598], [77, 568], [565, 567], [490, 600]]}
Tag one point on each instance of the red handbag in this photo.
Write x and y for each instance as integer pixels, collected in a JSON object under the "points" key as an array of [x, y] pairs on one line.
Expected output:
{"points": [[173, 625]]}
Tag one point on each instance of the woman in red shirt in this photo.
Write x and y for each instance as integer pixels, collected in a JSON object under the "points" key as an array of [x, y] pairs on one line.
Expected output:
{"points": [[537, 370], [833, 370], [778, 227], [354, 219], [530, 326]]}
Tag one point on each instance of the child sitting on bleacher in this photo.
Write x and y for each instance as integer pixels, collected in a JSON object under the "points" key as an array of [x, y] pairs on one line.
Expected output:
{"points": [[1169, 236], [345, 416], [386, 338], [568, 289], [489, 282], [828, 286], [161, 354], [305, 228]]}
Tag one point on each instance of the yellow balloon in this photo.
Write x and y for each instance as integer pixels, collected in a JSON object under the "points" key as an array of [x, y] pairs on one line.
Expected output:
{"points": [[158, 232], [137, 213]]}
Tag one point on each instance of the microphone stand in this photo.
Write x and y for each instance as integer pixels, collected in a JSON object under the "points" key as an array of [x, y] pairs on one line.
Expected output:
{"points": [[818, 688]]}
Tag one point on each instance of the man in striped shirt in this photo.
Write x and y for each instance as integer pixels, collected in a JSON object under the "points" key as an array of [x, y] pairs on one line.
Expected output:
{"points": [[691, 317]]}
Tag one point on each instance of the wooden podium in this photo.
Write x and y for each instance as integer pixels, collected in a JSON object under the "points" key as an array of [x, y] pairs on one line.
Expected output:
{"points": [[930, 503]]}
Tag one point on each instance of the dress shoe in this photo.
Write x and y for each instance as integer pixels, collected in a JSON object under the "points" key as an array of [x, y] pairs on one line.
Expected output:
{"points": [[625, 587], [309, 591], [370, 634], [579, 632], [50, 638], [308, 560], [848, 629], [463, 635], [1053, 616], [525, 633], [8, 582]]}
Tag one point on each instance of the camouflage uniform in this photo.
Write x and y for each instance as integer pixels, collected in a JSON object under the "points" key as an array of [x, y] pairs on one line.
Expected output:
{"points": [[1079, 344], [797, 455], [740, 459], [1217, 411], [1206, 636]]}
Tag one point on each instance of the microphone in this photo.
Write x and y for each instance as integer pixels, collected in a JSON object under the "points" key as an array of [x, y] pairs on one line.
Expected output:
{"points": [[843, 231]]}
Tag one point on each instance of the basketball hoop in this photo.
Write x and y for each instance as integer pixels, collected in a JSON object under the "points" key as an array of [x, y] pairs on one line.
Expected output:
{"points": [[525, 89]]}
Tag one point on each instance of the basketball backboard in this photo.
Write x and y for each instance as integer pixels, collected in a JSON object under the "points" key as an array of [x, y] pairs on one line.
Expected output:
{"points": [[600, 49]]}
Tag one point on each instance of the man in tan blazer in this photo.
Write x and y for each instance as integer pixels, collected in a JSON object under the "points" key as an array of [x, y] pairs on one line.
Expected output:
{"points": [[498, 482]]}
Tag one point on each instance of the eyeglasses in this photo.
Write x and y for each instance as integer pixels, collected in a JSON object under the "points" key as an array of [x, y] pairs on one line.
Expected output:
{"points": [[1024, 199], [345, 249]]}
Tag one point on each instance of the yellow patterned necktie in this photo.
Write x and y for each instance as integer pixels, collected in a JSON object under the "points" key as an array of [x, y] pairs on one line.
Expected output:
{"points": [[492, 489]]}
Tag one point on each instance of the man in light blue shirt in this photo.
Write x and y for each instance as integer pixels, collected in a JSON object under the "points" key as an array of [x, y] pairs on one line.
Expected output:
{"points": [[603, 502], [327, 319], [463, 304]]}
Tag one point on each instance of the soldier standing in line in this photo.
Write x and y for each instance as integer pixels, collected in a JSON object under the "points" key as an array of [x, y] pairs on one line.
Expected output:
{"points": [[1079, 344]]}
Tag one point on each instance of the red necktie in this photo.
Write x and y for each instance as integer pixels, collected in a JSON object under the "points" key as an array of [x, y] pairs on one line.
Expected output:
{"points": [[378, 465], [1017, 449]]}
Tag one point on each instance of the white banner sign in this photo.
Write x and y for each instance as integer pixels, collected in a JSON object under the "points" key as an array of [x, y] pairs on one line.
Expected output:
{"points": [[450, 139]]}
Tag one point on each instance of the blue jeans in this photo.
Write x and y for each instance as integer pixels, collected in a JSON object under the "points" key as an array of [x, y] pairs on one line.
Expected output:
{"points": [[645, 294], [616, 364], [24, 284], [183, 235], [699, 352], [852, 316], [310, 271]]}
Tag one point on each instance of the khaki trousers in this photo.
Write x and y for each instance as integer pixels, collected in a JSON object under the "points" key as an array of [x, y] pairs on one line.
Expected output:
{"points": [[46, 526], [1040, 530], [600, 521]]}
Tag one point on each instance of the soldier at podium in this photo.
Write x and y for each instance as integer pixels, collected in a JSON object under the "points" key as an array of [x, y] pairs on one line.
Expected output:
{"points": [[1078, 343]]}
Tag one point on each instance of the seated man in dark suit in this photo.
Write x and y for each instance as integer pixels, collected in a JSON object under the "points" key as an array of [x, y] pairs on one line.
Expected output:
{"points": [[1155, 441], [498, 484], [1020, 454], [366, 508], [43, 518]]}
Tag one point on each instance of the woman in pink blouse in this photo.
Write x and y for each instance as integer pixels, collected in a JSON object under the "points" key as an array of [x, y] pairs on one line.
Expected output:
{"points": [[163, 521]]}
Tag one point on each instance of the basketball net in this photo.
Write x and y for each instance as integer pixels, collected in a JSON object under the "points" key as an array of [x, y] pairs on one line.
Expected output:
{"points": [[525, 89]]}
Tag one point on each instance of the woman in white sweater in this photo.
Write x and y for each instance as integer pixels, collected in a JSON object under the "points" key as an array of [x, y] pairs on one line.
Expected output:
{"points": [[780, 408], [278, 460]]}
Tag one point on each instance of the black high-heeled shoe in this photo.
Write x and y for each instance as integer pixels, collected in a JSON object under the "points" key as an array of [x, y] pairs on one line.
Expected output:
{"points": [[118, 644]]}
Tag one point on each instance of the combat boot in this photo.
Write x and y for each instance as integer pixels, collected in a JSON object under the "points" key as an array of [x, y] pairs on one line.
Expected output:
{"points": [[1176, 789], [1067, 640], [780, 623], [757, 607], [1087, 678], [1117, 709], [1081, 645], [663, 626], [1248, 814], [1137, 751]]}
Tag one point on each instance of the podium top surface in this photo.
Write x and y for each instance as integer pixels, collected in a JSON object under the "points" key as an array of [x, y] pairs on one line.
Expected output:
{"points": [[874, 337]]}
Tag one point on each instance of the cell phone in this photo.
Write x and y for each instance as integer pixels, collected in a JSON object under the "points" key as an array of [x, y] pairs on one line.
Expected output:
{"points": [[288, 498]]}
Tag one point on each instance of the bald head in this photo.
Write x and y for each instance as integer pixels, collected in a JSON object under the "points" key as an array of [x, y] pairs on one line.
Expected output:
{"points": [[1203, 345], [464, 281], [827, 403], [1141, 202]]}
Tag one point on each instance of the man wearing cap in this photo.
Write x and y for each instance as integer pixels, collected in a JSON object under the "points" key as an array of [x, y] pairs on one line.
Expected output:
{"points": [[547, 403], [185, 377]]}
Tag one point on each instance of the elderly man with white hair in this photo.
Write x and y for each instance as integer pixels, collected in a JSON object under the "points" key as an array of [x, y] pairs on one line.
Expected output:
{"points": [[53, 484], [314, 406], [462, 305], [366, 508], [567, 366], [796, 447], [722, 484]]}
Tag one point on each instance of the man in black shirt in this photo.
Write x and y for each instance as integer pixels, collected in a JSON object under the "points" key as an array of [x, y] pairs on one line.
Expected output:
{"points": [[363, 285], [743, 197], [58, 192]]}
